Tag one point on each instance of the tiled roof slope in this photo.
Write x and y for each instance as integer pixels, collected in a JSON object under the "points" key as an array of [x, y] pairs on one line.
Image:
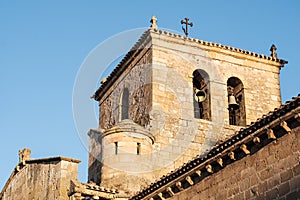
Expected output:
{"points": [[145, 38], [281, 120]]}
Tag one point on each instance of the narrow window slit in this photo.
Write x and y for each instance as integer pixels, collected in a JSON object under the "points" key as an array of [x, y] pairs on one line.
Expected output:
{"points": [[116, 148], [138, 148]]}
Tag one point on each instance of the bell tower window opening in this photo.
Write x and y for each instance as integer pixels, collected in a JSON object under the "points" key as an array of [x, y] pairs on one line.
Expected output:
{"points": [[138, 148], [124, 105], [236, 102], [116, 148], [201, 95]]}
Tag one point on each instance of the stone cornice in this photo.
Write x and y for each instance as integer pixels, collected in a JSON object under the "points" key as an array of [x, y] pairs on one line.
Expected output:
{"points": [[52, 159], [124, 126], [220, 48]]}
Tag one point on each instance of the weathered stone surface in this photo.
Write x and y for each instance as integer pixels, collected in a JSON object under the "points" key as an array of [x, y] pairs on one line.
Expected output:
{"points": [[273, 181], [47, 178], [161, 99]]}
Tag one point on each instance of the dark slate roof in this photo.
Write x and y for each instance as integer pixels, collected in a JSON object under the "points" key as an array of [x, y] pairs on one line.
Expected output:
{"points": [[233, 142], [145, 37]]}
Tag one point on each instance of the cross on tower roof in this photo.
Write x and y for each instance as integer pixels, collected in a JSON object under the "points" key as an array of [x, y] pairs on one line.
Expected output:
{"points": [[187, 24]]}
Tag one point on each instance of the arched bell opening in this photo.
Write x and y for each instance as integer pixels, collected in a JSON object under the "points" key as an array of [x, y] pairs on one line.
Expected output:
{"points": [[236, 102], [201, 95]]}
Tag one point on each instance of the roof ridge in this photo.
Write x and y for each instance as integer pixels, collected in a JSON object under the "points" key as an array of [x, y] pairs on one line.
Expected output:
{"points": [[50, 159], [219, 45], [143, 38], [133, 50]]}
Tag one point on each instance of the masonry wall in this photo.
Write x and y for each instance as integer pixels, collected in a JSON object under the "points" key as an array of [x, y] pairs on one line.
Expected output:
{"points": [[160, 86], [42, 180], [106, 166], [137, 78], [271, 173], [95, 157], [125, 166], [179, 135]]}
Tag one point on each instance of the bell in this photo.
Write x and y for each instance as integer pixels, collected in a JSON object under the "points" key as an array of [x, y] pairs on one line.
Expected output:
{"points": [[232, 102], [200, 95]]}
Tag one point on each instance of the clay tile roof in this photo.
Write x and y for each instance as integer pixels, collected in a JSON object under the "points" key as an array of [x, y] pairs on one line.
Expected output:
{"points": [[145, 37], [264, 121]]}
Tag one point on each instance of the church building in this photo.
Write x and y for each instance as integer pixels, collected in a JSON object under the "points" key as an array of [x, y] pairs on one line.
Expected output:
{"points": [[180, 118]]}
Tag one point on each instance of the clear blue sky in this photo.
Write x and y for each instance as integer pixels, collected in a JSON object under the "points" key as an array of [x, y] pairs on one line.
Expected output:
{"points": [[43, 44]]}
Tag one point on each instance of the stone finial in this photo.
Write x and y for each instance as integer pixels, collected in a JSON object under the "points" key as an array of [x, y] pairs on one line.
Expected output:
{"points": [[273, 51], [103, 80], [153, 23], [24, 155]]}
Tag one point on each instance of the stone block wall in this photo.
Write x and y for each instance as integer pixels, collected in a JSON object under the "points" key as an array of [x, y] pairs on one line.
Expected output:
{"points": [[95, 157], [160, 83], [180, 136], [125, 160], [137, 78], [42, 179], [271, 173]]}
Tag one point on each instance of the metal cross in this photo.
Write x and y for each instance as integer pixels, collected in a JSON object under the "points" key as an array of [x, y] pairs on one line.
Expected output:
{"points": [[187, 24]]}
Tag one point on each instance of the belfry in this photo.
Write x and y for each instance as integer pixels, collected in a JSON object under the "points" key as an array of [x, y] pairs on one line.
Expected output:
{"points": [[180, 118]]}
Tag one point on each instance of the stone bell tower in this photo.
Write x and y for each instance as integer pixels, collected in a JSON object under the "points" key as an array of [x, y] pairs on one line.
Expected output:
{"points": [[172, 98]]}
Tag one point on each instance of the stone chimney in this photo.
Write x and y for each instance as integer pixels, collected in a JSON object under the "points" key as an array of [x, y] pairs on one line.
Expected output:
{"points": [[24, 155]]}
